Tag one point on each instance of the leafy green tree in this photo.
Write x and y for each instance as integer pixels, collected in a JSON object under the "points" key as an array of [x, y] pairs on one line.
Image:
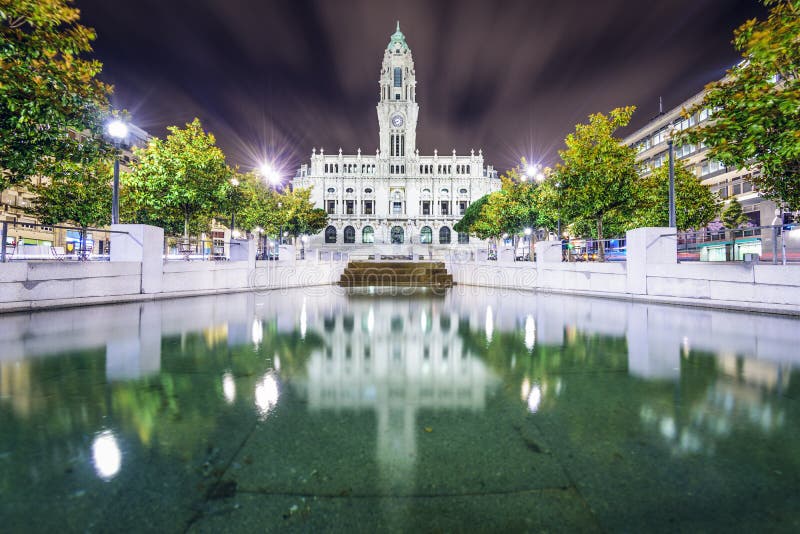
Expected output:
{"points": [[48, 90], [76, 194], [695, 204], [510, 210], [755, 115], [733, 217], [180, 179], [259, 205], [471, 216], [300, 215], [598, 178]]}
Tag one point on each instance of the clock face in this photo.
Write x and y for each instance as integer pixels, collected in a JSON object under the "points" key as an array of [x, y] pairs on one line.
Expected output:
{"points": [[397, 121]]}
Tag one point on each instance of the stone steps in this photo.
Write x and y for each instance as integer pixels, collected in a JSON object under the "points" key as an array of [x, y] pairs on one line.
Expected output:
{"points": [[396, 274]]}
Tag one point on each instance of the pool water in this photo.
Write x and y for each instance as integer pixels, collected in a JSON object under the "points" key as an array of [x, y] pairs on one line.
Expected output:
{"points": [[479, 410]]}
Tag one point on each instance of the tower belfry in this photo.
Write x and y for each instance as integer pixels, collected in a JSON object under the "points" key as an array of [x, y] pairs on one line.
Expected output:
{"points": [[398, 109]]}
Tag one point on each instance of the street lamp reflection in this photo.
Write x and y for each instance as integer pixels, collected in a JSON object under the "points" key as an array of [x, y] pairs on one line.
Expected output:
{"points": [[489, 324], [266, 394], [106, 455], [228, 387], [534, 398], [530, 332]]}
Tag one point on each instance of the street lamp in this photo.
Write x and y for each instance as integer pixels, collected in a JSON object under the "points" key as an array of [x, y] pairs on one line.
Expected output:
{"points": [[672, 222], [235, 184], [118, 131], [533, 172], [269, 173]]}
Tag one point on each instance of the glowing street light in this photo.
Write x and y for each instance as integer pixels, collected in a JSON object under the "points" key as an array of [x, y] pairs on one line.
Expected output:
{"points": [[270, 173], [118, 131]]}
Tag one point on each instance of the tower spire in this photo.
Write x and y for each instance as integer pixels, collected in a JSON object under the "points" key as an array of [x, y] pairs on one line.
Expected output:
{"points": [[398, 25]]}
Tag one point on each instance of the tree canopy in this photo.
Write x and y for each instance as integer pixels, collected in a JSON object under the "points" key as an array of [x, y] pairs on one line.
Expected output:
{"points": [[756, 107], [598, 175], [75, 194], [49, 90], [695, 204], [180, 180], [507, 211]]}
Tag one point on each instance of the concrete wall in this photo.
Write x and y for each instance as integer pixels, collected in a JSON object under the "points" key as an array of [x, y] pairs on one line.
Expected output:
{"points": [[138, 272], [652, 273]]}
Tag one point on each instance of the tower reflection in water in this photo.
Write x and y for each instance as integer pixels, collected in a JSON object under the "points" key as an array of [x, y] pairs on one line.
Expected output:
{"points": [[395, 358]]}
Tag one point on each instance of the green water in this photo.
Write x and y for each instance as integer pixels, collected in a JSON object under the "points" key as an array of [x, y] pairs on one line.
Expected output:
{"points": [[476, 411]]}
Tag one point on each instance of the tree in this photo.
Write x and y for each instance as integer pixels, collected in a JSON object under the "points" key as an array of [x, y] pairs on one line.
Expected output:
{"points": [[75, 194], [49, 90], [259, 206], [300, 215], [695, 204], [510, 210], [181, 179], [755, 107], [733, 217], [475, 223], [598, 177]]}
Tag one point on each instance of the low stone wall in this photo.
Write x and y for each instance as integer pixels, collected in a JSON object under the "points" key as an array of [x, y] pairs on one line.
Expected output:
{"points": [[138, 272], [652, 273], [65, 283]]}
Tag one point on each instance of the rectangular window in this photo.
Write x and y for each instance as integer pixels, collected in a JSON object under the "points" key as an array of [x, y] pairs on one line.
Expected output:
{"points": [[331, 207], [350, 207], [445, 207], [746, 187], [462, 207], [736, 189], [398, 77], [367, 207], [397, 208], [426, 207]]}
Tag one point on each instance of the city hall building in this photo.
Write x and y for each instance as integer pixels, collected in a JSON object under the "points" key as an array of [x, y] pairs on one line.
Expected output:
{"points": [[395, 196]]}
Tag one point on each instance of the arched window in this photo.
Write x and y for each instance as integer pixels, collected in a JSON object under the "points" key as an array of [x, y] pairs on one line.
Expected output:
{"points": [[445, 191], [463, 238], [368, 190], [331, 190], [368, 235], [463, 191], [348, 190], [397, 235], [349, 234], [330, 234], [426, 235], [444, 235]]}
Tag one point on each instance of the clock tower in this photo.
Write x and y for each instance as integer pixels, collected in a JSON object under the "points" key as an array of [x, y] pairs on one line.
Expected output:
{"points": [[398, 108]]}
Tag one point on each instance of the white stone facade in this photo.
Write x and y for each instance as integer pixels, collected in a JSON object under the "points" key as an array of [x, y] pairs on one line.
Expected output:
{"points": [[395, 196]]}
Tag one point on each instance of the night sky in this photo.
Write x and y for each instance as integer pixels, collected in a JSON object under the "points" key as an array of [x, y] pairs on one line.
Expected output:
{"points": [[274, 78]]}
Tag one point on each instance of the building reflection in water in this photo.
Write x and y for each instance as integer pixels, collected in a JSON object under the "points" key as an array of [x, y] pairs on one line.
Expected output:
{"points": [[395, 358]]}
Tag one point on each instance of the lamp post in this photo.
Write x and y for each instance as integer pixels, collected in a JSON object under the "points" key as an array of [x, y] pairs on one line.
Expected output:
{"points": [[118, 131], [273, 178], [672, 223], [235, 184]]}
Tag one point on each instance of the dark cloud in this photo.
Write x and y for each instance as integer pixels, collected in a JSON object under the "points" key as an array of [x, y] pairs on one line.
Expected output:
{"points": [[276, 78]]}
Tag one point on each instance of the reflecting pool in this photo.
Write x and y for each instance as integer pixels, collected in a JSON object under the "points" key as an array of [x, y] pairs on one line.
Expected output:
{"points": [[479, 410]]}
